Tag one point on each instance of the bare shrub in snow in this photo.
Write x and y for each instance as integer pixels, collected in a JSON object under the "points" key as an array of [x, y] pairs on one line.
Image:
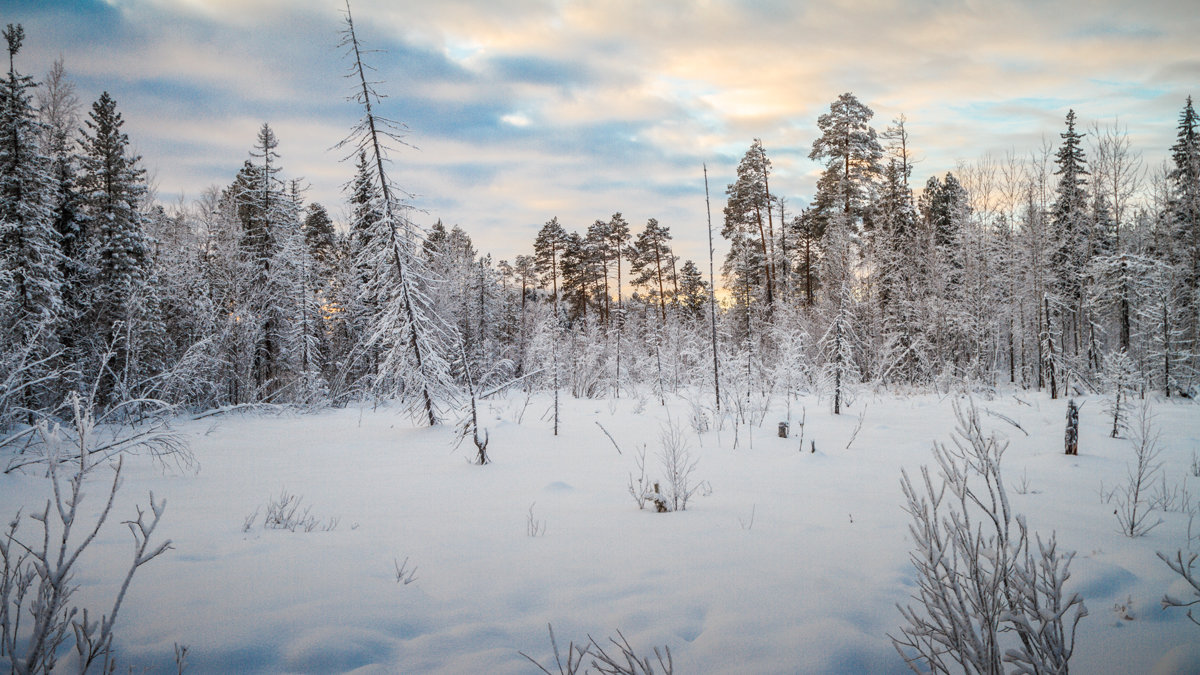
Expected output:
{"points": [[469, 425], [249, 520], [39, 571], [533, 526], [698, 417], [133, 426], [862, 414], [575, 656], [405, 574], [284, 513], [640, 488], [181, 652], [1170, 498], [985, 595], [679, 466], [616, 657], [678, 484], [624, 661], [1133, 508]]}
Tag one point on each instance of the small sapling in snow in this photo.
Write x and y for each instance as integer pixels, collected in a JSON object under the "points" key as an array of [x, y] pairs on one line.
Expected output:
{"points": [[679, 465], [533, 526], [1133, 507]]}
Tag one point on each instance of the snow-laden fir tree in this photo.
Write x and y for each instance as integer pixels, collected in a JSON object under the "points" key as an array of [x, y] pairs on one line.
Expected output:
{"points": [[1184, 216], [121, 296], [1075, 241], [30, 258]]}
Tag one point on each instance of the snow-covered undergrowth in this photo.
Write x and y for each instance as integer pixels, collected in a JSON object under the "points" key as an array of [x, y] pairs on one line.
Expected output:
{"points": [[784, 561]]}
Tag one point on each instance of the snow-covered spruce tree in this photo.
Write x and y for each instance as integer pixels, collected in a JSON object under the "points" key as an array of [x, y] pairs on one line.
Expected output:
{"points": [[273, 248], [985, 595], [1184, 216], [840, 374], [30, 257], [1076, 243], [1121, 379], [299, 310], [230, 274], [190, 319], [58, 109], [325, 258], [901, 258], [413, 340], [121, 297], [359, 367]]}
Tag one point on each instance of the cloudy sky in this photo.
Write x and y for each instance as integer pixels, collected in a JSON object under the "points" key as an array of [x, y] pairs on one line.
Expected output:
{"points": [[520, 110]]}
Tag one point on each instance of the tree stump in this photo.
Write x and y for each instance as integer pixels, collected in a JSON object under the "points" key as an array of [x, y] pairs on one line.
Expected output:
{"points": [[1072, 435]]}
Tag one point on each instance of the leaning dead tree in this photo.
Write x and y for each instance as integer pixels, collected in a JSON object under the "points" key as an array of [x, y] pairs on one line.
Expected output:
{"points": [[417, 361]]}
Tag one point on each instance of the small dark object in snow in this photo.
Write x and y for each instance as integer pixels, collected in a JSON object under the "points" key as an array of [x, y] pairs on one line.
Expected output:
{"points": [[783, 429], [1072, 435]]}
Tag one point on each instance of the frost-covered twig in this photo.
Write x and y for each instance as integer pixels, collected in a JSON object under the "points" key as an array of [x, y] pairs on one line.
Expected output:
{"points": [[614, 441], [533, 526], [862, 414], [575, 655], [1184, 569], [404, 574], [625, 661], [1006, 418]]}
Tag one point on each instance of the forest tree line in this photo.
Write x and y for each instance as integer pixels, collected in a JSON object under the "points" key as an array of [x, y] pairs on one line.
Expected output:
{"points": [[1072, 269]]}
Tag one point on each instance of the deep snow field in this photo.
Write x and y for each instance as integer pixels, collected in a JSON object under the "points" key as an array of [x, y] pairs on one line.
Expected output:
{"points": [[793, 563]]}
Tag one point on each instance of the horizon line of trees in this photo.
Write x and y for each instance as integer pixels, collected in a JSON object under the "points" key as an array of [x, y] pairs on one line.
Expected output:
{"points": [[1071, 270]]}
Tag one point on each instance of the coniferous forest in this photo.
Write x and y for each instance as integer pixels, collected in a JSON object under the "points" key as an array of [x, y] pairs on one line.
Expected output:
{"points": [[1071, 268], [1048, 274]]}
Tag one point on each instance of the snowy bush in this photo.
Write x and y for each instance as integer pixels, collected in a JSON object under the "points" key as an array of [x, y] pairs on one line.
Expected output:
{"points": [[39, 571], [984, 595], [678, 484], [678, 465], [284, 513], [1121, 377]]}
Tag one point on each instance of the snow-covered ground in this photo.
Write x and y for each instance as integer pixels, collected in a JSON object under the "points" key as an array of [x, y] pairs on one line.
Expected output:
{"points": [[793, 563]]}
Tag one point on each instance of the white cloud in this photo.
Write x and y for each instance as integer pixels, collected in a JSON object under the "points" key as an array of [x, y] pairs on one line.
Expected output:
{"points": [[689, 81]]}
